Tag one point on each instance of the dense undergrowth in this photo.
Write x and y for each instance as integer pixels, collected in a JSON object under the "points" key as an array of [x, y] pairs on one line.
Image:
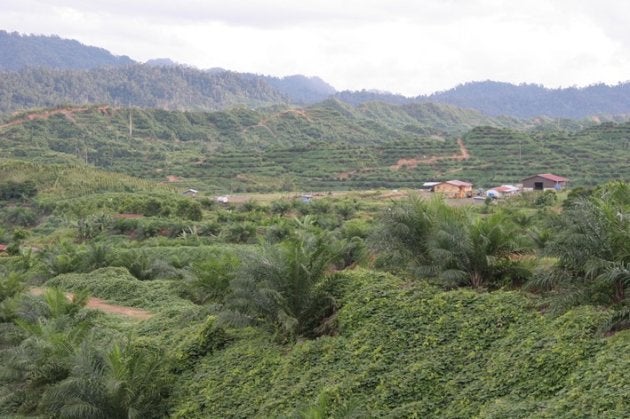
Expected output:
{"points": [[338, 307], [410, 349]]}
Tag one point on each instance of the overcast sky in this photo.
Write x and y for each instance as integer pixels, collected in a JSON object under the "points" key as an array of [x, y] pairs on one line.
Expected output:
{"points": [[403, 46]]}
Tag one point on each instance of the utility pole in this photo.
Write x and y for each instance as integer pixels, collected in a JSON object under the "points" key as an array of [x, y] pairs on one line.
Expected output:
{"points": [[130, 124]]}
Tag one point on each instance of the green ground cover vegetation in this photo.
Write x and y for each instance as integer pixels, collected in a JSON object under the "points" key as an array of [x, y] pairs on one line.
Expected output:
{"points": [[349, 306]]}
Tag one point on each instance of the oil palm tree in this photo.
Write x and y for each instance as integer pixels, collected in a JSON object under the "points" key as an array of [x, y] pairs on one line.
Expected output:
{"points": [[280, 286], [125, 382], [481, 252], [592, 246], [48, 336], [405, 228]]}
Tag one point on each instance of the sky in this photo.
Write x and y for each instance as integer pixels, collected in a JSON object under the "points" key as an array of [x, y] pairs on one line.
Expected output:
{"points": [[401, 46]]}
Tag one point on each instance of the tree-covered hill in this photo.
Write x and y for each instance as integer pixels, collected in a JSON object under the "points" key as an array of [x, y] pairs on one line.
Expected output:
{"points": [[42, 71], [32, 77], [18, 51], [145, 86], [330, 145], [302, 90], [520, 101], [530, 100]]}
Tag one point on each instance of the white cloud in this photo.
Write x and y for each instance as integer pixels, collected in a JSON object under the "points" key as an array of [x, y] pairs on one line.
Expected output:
{"points": [[404, 46]]}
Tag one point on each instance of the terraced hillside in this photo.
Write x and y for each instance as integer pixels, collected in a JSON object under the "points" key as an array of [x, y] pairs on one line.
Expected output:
{"points": [[330, 145]]}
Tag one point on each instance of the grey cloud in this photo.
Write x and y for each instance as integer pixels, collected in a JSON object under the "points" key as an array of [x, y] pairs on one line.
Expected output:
{"points": [[270, 13]]}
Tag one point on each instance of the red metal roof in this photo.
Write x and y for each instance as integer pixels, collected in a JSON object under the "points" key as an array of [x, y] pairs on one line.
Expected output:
{"points": [[549, 176], [3, 247], [505, 188], [555, 178]]}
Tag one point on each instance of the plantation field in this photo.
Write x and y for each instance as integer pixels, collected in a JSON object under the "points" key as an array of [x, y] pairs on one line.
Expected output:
{"points": [[363, 302], [325, 147]]}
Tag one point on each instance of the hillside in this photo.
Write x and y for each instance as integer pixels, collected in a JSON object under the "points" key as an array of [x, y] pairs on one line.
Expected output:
{"points": [[19, 51], [301, 90], [326, 146], [42, 71], [519, 101], [145, 86], [530, 100], [34, 80]]}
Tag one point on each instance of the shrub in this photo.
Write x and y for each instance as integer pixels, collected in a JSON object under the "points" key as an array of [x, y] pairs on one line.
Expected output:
{"points": [[189, 210], [12, 190], [546, 199], [280, 207], [279, 286], [212, 277], [20, 216], [208, 339]]}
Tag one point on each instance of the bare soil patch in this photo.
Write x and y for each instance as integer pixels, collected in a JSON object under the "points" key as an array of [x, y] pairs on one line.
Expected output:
{"points": [[412, 162], [104, 306], [67, 112]]}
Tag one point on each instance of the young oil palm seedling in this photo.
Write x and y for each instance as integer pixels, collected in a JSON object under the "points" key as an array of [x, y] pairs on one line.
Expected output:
{"points": [[484, 252], [281, 285], [592, 247]]}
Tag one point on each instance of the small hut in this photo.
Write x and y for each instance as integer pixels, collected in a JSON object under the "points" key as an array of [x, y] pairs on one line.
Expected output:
{"points": [[454, 189]]}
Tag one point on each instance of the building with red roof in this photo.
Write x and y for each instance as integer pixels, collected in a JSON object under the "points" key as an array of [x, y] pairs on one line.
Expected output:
{"points": [[544, 181]]}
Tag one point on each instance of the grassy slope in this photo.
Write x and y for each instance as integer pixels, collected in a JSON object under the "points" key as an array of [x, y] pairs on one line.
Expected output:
{"points": [[55, 181], [325, 146], [406, 350]]}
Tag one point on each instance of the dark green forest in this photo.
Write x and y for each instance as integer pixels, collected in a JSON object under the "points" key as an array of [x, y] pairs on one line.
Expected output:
{"points": [[44, 71], [137, 85], [19, 51]]}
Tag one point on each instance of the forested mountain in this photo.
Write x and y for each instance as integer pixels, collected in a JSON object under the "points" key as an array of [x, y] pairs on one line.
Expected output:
{"points": [[529, 100], [43, 71], [363, 96], [145, 86], [300, 89], [521, 101], [330, 145], [19, 51]]}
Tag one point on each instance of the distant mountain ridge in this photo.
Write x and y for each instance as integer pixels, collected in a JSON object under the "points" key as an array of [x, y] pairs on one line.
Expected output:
{"points": [[520, 101], [44, 71], [300, 89], [531, 100], [19, 51], [48, 71], [138, 85]]}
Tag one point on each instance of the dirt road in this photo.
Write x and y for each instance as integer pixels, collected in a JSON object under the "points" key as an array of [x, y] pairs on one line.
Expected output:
{"points": [[105, 307]]}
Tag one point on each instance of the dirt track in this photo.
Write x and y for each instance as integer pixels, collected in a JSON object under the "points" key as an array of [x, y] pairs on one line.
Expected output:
{"points": [[68, 112], [105, 307], [413, 162]]}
